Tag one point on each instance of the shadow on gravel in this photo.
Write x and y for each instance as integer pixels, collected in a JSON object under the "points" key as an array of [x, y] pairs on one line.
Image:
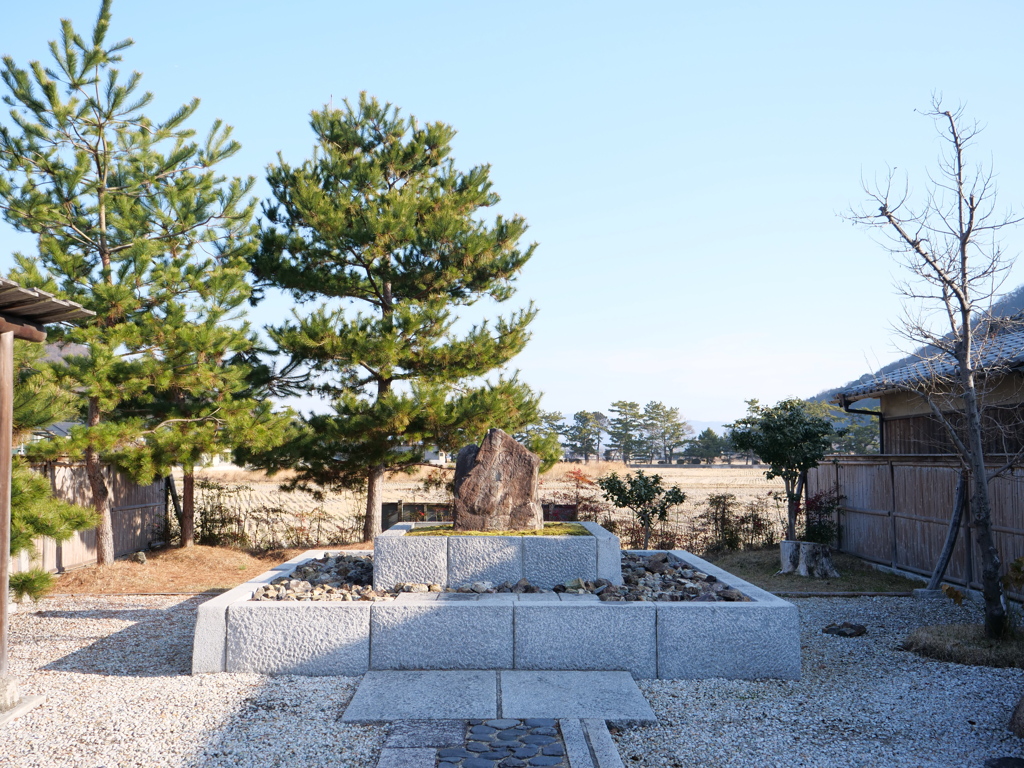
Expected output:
{"points": [[158, 644]]}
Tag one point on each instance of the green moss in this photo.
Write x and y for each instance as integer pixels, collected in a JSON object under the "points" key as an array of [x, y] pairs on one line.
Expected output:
{"points": [[550, 529]]}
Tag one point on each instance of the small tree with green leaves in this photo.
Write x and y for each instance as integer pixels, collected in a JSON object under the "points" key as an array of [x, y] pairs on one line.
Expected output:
{"points": [[790, 439], [644, 495]]}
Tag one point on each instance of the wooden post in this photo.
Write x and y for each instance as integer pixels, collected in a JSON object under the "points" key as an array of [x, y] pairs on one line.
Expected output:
{"points": [[6, 419]]}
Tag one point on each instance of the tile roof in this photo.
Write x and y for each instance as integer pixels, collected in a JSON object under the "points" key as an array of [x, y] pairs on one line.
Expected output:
{"points": [[995, 354]]}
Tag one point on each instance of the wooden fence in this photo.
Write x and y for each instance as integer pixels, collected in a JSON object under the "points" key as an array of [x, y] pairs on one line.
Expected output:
{"points": [[896, 512], [137, 513]]}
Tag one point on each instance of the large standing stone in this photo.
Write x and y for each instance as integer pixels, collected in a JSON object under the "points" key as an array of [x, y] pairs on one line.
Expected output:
{"points": [[496, 486]]}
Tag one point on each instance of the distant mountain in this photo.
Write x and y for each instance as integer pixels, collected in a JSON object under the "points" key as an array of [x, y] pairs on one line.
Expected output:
{"points": [[1009, 305]]}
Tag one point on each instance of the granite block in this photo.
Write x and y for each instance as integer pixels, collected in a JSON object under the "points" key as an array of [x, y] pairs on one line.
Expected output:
{"points": [[496, 559], [740, 641], [441, 635], [587, 636], [550, 560], [418, 559], [299, 638], [209, 642], [418, 597], [609, 553], [539, 597]]}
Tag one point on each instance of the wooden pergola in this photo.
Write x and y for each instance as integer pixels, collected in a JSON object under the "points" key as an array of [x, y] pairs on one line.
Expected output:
{"points": [[23, 313]]}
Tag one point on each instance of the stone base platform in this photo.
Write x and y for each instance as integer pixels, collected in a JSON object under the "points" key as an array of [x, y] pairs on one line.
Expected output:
{"points": [[447, 631], [453, 561]]}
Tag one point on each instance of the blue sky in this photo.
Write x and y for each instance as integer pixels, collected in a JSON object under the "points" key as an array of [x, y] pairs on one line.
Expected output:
{"points": [[682, 165]]}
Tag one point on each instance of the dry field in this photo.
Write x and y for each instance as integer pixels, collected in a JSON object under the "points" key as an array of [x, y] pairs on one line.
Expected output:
{"points": [[283, 517]]}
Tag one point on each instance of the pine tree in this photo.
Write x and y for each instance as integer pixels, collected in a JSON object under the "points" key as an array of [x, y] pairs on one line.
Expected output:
{"points": [[544, 438], [664, 429], [624, 429], [381, 219], [583, 436], [38, 402], [133, 222]]}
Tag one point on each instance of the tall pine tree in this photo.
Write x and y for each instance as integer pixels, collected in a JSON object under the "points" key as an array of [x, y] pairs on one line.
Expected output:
{"points": [[625, 429], [381, 219], [133, 222]]}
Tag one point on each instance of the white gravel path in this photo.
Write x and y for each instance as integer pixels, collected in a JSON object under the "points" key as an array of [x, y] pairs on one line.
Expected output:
{"points": [[115, 673], [860, 702]]}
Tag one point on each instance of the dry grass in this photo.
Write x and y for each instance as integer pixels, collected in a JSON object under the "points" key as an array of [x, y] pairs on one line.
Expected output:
{"points": [[760, 567], [965, 644], [192, 570]]}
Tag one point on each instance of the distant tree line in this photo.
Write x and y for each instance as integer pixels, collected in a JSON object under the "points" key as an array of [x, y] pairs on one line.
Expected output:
{"points": [[658, 433]]}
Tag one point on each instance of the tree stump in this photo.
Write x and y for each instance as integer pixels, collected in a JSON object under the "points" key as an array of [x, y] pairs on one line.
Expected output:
{"points": [[806, 558], [816, 561], [496, 486], [789, 553]]}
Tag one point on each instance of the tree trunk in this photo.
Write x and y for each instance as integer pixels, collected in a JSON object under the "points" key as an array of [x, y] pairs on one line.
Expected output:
{"points": [[792, 510], [647, 537], [175, 501], [996, 624], [374, 498], [188, 508], [100, 494], [951, 534]]}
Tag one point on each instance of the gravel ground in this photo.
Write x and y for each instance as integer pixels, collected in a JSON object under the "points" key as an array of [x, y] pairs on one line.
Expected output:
{"points": [[860, 702], [115, 673]]}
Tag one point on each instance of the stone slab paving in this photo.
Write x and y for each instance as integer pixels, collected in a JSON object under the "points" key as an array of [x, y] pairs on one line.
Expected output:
{"points": [[498, 719], [606, 695], [507, 743], [386, 696], [414, 695]]}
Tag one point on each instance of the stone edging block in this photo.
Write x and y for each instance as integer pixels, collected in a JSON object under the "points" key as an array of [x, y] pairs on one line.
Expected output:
{"points": [[209, 644], [587, 636], [440, 635], [305, 638]]}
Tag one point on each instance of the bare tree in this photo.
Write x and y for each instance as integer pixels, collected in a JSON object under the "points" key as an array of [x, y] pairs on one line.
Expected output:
{"points": [[950, 243]]}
